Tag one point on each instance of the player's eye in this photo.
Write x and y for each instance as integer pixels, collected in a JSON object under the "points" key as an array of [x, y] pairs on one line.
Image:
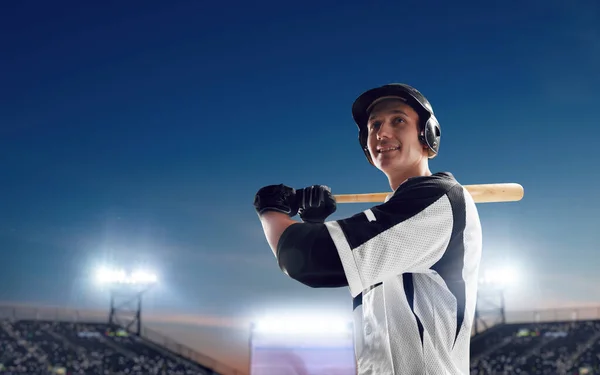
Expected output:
{"points": [[374, 125]]}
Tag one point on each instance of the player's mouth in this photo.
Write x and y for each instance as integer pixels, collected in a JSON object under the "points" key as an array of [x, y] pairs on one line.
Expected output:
{"points": [[383, 150]]}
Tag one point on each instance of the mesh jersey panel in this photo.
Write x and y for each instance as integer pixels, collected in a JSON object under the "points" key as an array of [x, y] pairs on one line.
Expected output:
{"points": [[412, 265]]}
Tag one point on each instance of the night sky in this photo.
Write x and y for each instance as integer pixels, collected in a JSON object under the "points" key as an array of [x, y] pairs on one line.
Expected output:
{"points": [[136, 133]]}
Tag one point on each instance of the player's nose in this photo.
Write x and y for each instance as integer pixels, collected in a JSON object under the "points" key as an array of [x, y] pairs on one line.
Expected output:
{"points": [[385, 130]]}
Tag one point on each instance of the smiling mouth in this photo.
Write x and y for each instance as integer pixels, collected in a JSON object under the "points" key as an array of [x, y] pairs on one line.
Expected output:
{"points": [[387, 149]]}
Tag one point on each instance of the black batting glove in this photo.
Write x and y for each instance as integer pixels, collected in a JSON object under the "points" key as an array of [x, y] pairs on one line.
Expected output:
{"points": [[315, 203], [279, 198]]}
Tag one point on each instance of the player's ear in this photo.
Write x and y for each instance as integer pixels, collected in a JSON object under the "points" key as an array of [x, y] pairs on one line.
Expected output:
{"points": [[422, 140]]}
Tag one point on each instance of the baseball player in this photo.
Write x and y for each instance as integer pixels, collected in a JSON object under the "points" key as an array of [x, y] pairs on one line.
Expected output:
{"points": [[411, 263]]}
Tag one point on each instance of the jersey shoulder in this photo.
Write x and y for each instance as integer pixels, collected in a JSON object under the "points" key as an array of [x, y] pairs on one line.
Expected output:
{"points": [[428, 200], [424, 190]]}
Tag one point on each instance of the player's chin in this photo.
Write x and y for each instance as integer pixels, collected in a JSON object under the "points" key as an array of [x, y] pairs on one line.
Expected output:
{"points": [[386, 164], [389, 165], [389, 158]]}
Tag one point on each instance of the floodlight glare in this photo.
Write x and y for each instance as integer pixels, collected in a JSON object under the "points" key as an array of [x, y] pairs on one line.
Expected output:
{"points": [[143, 277], [109, 276], [119, 276], [500, 277], [302, 325]]}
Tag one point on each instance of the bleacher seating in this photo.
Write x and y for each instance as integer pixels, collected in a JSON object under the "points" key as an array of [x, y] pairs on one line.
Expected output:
{"points": [[42, 348], [555, 348], [15, 358], [49, 348]]}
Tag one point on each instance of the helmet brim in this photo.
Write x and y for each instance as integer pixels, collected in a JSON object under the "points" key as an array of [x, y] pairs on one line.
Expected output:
{"points": [[361, 106]]}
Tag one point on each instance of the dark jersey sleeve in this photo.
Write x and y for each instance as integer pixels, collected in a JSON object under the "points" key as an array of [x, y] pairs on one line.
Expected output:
{"points": [[306, 253]]}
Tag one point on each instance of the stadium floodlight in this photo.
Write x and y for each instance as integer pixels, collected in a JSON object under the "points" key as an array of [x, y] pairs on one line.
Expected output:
{"points": [[302, 324], [143, 277], [126, 290], [116, 276], [499, 277]]}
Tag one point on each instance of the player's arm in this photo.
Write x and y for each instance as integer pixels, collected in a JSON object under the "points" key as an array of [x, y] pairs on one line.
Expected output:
{"points": [[306, 253], [274, 224], [411, 232], [304, 250]]}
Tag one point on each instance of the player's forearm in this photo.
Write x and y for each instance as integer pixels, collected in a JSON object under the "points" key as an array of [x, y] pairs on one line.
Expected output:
{"points": [[274, 224]]}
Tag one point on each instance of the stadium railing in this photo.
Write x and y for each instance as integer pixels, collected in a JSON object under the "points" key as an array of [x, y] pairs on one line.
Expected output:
{"points": [[186, 352], [553, 315], [540, 316]]}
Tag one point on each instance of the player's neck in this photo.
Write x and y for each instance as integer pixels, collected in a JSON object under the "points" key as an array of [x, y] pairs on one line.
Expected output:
{"points": [[398, 177]]}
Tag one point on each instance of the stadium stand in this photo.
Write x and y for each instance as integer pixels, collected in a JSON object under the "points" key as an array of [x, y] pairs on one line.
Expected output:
{"points": [[46, 347], [59, 346], [549, 348]]}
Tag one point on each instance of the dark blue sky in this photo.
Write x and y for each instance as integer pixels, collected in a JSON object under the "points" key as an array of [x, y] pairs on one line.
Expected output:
{"points": [[140, 131]]}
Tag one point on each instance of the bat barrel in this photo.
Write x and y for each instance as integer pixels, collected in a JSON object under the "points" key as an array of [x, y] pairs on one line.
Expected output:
{"points": [[483, 193], [492, 193]]}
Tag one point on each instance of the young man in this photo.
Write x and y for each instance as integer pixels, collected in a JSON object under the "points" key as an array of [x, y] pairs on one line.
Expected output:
{"points": [[411, 263]]}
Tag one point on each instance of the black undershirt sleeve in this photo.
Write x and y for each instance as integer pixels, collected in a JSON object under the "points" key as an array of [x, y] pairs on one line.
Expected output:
{"points": [[306, 253]]}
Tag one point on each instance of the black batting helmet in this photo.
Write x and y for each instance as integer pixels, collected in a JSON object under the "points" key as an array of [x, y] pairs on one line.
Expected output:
{"points": [[430, 131]]}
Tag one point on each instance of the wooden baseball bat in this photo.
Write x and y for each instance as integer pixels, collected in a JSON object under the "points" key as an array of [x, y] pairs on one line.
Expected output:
{"points": [[484, 193]]}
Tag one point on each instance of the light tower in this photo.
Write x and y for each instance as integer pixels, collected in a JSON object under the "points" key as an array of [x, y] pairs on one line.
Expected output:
{"points": [[126, 290], [490, 308]]}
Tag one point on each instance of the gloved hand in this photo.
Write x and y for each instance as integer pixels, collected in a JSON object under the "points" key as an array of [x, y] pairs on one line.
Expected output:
{"points": [[280, 198], [315, 203]]}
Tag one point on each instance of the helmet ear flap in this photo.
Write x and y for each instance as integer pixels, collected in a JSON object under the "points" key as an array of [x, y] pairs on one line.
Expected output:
{"points": [[430, 136]]}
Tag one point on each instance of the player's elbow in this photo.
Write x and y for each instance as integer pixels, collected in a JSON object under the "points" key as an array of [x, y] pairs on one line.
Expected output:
{"points": [[295, 266], [302, 255], [292, 263]]}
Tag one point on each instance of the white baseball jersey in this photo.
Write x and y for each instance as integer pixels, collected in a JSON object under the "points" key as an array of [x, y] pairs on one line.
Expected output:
{"points": [[411, 265]]}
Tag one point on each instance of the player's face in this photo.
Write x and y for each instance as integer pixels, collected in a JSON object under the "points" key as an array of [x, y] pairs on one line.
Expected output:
{"points": [[393, 137]]}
